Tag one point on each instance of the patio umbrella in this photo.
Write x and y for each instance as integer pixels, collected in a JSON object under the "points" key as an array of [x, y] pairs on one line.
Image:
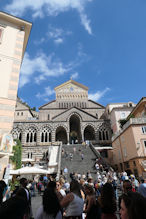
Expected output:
{"points": [[25, 160], [28, 170]]}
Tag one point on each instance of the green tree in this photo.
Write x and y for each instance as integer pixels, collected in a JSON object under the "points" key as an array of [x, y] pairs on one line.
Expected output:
{"points": [[123, 121], [33, 108], [17, 151]]}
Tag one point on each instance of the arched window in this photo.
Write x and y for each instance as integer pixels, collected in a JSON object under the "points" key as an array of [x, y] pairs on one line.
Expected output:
{"points": [[46, 134], [48, 117], [31, 137], [20, 136], [49, 137], [31, 134], [27, 137], [107, 135], [103, 135], [42, 137], [100, 138], [46, 137], [35, 137]]}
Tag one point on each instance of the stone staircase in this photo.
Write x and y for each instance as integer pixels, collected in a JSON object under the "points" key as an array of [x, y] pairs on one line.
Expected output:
{"points": [[76, 164]]}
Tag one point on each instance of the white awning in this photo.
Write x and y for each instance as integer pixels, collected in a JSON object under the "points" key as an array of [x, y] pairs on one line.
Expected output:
{"points": [[28, 170], [103, 148]]}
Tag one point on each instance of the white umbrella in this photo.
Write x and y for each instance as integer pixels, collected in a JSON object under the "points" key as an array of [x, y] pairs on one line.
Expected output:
{"points": [[28, 170], [13, 172], [25, 160]]}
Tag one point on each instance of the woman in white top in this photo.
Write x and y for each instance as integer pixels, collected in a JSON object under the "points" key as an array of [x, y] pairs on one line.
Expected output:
{"points": [[50, 209], [73, 202]]}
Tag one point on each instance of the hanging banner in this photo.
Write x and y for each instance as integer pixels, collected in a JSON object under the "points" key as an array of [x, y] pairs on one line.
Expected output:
{"points": [[7, 143]]}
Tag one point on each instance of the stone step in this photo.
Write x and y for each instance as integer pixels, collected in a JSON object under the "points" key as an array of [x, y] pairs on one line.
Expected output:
{"points": [[78, 164]]}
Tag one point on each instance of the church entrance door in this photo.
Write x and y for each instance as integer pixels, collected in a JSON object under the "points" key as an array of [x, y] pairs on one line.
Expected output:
{"points": [[61, 135], [75, 130]]}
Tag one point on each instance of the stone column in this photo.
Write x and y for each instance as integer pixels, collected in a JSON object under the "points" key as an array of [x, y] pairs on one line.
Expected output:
{"points": [[97, 136], [38, 140], [82, 136], [23, 141], [53, 136], [67, 137]]}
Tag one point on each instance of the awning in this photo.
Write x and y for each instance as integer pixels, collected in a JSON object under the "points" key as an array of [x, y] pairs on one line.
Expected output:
{"points": [[103, 148]]}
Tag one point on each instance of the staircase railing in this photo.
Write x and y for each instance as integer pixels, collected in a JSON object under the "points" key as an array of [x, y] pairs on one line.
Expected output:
{"points": [[59, 161], [99, 155]]}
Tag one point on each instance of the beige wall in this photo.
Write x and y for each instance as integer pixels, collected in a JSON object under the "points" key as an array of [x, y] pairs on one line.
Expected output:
{"points": [[129, 147], [3, 164], [11, 55], [12, 46]]}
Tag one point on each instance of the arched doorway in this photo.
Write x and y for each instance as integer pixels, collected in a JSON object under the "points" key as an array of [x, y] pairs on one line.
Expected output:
{"points": [[61, 135], [89, 133], [75, 130]]}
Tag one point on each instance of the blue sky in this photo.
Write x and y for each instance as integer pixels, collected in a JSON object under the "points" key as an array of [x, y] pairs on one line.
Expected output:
{"points": [[99, 43]]}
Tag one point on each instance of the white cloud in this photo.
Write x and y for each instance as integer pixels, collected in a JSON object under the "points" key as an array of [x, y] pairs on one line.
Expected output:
{"points": [[51, 8], [45, 96], [98, 95], [75, 75], [57, 34], [58, 41], [40, 68], [54, 32], [40, 41], [85, 21]]}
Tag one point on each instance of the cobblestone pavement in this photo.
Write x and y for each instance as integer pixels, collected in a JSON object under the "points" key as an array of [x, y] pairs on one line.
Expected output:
{"points": [[36, 202]]}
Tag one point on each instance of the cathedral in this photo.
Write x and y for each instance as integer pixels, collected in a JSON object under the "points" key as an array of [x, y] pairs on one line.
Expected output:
{"points": [[70, 118]]}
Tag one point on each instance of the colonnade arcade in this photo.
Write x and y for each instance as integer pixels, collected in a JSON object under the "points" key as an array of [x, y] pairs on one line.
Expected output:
{"points": [[74, 130]]}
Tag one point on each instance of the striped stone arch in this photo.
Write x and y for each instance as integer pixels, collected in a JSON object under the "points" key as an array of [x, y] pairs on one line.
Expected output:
{"points": [[89, 124], [31, 125], [60, 125], [17, 133], [76, 114], [89, 132], [61, 133], [104, 132]]}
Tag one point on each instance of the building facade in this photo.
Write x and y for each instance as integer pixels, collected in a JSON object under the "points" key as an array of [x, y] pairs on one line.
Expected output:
{"points": [[129, 144], [14, 34], [116, 112], [70, 118]]}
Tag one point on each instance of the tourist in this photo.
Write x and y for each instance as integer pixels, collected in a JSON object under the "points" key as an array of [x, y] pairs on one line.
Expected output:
{"points": [[3, 187], [40, 187], [142, 188], [127, 187], [65, 172], [92, 208], [135, 183], [71, 156], [24, 193], [74, 149], [73, 202], [82, 156], [133, 206], [14, 208], [50, 208], [60, 192], [107, 202]]}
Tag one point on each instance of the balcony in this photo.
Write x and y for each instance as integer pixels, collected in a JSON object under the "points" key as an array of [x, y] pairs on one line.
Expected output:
{"points": [[132, 121]]}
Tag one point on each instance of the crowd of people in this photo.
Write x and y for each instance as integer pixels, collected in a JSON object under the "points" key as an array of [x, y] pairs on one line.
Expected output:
{"points": [[77, 198]]}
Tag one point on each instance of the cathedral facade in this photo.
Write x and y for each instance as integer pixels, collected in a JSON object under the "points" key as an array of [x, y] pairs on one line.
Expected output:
{"points": [[70, 118]]}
